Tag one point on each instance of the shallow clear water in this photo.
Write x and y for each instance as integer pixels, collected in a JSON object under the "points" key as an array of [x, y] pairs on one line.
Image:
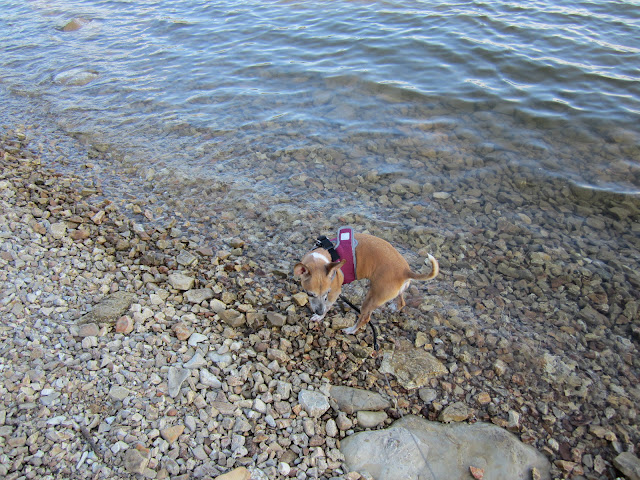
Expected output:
{"points": [[309, 102]]}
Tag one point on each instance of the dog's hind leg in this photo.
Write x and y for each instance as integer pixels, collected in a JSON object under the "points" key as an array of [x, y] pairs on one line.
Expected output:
{"points": [[375, 297]]}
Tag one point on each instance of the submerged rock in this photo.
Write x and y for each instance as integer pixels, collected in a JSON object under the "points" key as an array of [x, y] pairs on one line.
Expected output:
{"points": [[414, 448], [75, 24], [76, 77]]}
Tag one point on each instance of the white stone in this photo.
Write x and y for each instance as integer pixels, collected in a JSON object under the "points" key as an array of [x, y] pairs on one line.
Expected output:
{"points": [[196, 338], [209, 379], [370, 419], [180, 281], [314, 403]]}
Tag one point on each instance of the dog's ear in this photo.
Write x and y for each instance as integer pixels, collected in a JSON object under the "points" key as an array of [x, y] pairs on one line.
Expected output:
{"points": [[300, 270], [333, 267]]}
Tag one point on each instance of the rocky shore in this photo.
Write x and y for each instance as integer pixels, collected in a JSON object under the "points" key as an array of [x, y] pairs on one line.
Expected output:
{"points": [[166, 350]]}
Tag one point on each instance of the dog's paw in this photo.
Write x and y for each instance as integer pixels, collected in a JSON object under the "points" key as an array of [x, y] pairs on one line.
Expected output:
{"points": [[351, 330]]}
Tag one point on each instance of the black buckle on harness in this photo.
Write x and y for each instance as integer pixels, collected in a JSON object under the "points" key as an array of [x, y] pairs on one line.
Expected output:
{"points": [[324, 242]]}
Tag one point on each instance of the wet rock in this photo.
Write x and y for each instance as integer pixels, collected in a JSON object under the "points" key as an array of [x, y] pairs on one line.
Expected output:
{"points": [[351, 400], [74, 25], [628, 464], [412, 367], [415, 448], [76, 77]]}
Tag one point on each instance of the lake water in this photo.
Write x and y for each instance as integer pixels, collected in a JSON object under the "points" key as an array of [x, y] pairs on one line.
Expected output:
{"points": [[315, 105]]}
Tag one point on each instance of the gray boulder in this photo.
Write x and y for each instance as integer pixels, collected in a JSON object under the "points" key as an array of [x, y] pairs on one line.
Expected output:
{"points": [[414, 448]]}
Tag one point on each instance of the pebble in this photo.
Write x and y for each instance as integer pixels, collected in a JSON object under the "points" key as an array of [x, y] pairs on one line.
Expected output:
{"points": [[182, 331], [124, 325], [314, 403], [456, 412], [198, 295], [628, 464], [276, 319], [119, 393], [135, 461], [179, 281], [197, 361], [370, 419], [175, 379], [171, 434], [240, 473], [233, 318], [195, 338], [351, 399]]}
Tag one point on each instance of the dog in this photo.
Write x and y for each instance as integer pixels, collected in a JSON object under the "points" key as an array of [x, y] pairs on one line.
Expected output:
{"points": [[321, 276]]}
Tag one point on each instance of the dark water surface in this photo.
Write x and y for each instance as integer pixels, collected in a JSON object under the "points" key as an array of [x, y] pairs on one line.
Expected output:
{"points": [[315, 104]]}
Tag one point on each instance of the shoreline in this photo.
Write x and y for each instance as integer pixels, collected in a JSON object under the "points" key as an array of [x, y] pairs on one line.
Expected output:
{"points": [[565, 384]]}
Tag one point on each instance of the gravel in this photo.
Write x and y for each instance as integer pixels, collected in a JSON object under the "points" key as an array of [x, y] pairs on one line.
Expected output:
{"points": [[210, 365]]}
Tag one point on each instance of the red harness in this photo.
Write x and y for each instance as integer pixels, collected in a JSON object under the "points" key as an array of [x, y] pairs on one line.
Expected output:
{"points": [[345, 246]]}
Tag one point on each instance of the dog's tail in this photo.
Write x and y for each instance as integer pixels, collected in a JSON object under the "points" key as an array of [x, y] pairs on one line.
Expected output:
{"points": [[435, 268]]}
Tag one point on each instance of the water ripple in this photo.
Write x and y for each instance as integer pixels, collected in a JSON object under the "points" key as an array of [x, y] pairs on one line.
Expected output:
{"points": [[265, 75]]}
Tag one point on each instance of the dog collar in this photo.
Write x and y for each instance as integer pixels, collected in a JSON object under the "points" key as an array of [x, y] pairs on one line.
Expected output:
{"points": [[342, 248], [324, 242]]}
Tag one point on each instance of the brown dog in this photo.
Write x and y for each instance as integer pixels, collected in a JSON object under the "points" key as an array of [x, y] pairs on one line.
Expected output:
{"points": [[388, 272]]}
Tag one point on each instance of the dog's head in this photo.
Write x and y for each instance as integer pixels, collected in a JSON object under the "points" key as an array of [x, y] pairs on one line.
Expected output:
{"points": [[321, 279]]}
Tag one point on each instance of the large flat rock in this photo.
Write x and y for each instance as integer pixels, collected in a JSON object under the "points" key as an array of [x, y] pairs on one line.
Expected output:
{"points": [[415, 448]]}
